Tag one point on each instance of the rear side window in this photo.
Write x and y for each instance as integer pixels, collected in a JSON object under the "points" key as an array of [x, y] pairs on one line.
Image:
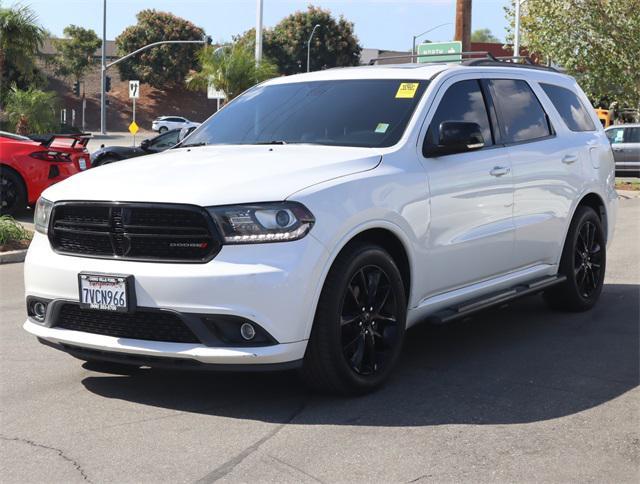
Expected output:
{"points": [[521, 114], [632, 135], [463, 101], [572, 111]]}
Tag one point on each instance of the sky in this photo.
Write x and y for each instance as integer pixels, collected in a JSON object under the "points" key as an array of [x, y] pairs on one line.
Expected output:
{"points": [[381, 24]]}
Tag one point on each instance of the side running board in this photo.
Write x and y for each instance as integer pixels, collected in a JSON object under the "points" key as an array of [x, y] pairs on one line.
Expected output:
{"points": [[494, 299]]}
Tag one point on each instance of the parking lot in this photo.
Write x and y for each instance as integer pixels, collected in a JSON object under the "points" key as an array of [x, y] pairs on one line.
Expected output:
{"points": [[519, 393]]}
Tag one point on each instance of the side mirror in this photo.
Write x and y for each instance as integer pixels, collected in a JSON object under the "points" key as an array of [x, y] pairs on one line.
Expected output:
{"points": [[144, 144], [456, 137]]}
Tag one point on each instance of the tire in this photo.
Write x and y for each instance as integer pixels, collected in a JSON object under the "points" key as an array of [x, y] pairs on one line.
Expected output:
{"points": [[163, 129], [352, 348], [13, 195], [583, 262]]}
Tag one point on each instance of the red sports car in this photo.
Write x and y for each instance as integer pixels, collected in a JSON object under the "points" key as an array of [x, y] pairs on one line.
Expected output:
{"points": [[29, 165]]}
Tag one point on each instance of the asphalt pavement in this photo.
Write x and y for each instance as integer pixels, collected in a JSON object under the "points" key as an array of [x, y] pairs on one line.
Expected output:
{"points": [[515, 394]]}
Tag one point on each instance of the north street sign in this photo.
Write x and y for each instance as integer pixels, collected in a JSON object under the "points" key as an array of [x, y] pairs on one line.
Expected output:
{"points": [[432, 52]]}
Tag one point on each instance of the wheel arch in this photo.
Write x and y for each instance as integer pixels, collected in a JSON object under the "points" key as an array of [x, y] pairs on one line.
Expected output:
{"points": [[596, 202], [4, 166]]}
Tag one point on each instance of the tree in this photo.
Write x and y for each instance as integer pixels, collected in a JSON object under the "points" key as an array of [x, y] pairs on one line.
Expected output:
{"points": [[163, 66], [231, 68], [31, 110], [596, 41], [484, 35], [75, 52], [20, 40], [333, 45]]}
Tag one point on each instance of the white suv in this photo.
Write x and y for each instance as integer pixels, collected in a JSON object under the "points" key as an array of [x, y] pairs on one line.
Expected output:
{"points": [[167, 123], [316, 217]]}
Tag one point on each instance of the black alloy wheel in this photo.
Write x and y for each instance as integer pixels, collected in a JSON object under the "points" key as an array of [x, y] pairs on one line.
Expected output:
{"points": [[359, 323], [588, 260], [12, 193], [583, 263], [369, 324]]}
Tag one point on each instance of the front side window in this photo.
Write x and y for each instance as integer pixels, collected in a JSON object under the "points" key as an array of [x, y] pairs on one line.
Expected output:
{"points": [[359, 112], [166, 140], [616, 136], [463, 101], [521, 114], [570, 108]]}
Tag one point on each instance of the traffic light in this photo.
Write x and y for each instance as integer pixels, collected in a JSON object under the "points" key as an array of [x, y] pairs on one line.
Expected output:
{"points": [[76, 88], [107, 86]]}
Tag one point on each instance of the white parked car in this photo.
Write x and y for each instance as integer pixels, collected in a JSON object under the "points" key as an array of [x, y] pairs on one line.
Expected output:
{"points": [[166, 123], [315, 218]]}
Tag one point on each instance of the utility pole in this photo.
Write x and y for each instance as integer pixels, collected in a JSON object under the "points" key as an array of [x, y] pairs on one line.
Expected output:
{"points": [[516, 34], [316, 26], [103, 71], [463, 24], [259, 31]]}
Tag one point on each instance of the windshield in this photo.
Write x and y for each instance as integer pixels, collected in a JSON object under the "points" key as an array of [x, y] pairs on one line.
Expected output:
{"points": [[368, 112]]}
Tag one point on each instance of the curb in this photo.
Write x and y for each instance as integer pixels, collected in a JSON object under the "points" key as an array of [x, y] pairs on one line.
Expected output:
{"points": [[628, 194], [13, 256]]}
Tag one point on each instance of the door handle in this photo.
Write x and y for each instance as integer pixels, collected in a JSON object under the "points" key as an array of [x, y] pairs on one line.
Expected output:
{"points": [[499, 171], [568, 159]]}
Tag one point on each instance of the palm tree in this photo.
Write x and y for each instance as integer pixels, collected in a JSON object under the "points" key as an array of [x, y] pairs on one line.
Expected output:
{"points": [[31, 111], [231, 68], [20, 39]]}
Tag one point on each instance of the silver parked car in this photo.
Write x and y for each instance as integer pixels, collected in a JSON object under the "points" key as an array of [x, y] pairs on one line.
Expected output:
{"points": [[625, 143]]}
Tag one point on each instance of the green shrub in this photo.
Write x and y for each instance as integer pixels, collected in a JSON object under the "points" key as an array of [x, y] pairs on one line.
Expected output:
{"points": [[11, 229]]}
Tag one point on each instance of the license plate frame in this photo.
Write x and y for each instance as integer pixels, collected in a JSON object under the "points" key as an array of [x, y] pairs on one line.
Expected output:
{"points": [[125, 281]]}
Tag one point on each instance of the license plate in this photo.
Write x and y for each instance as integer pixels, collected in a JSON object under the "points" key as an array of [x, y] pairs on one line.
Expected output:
{"points": [[106, 292], [83, 163]]}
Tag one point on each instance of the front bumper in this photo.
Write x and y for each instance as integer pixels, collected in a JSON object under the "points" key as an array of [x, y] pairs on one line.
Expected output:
{"points": [[274, 285]]}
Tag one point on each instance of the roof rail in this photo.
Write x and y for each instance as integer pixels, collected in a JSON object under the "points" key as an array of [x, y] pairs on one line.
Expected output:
{"points": [[414, 56], [474, 58]]}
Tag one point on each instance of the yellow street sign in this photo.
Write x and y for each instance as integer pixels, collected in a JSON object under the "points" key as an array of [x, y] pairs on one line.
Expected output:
{"points": [[133, 128]]}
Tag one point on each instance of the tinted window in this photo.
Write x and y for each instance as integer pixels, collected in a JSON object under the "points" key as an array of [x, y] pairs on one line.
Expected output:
{"points": [[166, 140], [463, 101], [368, 112], [632, 135], [571, 110], [521, 115]]}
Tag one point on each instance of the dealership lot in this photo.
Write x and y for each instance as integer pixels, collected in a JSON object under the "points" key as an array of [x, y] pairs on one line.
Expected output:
{"points": [[517, 393]]}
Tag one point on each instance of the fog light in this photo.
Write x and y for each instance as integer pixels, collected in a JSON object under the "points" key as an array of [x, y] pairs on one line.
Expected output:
{"points": [[39, 310], [247, 331]]}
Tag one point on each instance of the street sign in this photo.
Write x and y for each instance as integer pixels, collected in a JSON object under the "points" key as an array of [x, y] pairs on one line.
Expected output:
{"points": [[134, 89], [133, 128], [429, 52], [213, 93]]}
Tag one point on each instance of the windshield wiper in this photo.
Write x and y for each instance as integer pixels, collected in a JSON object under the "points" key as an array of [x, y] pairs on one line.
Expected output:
{"points": [[272, 142], [191, 145]]}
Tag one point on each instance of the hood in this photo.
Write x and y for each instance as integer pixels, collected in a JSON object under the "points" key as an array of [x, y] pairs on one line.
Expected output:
{"points": [[216, 175]]}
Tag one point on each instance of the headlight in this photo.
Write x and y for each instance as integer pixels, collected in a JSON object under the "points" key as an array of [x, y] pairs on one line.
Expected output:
{"points": [[264, 222], [42, 215]]}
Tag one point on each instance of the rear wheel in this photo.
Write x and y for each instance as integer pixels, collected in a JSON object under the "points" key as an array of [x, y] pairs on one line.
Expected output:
{"points": [[583, 263], [13, 196], [359, 325]]}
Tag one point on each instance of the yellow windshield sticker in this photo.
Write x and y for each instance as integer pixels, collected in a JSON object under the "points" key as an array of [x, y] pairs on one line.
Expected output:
{"points": [[407, 90]]}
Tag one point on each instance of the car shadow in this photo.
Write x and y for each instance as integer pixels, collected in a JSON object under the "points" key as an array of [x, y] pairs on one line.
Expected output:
{"points": [[517, 364]]}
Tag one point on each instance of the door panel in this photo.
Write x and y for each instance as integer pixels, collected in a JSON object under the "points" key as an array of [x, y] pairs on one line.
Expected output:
{"points": [[471, 234]]}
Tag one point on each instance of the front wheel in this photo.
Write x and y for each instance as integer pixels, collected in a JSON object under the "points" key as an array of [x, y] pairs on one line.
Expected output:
{"points": [[13, 196], [583, 262], [163, 129], [359, 325]]}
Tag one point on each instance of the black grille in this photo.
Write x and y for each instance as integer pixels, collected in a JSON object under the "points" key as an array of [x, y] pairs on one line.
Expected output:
{"points": [[170, 233], [142, 324]]}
